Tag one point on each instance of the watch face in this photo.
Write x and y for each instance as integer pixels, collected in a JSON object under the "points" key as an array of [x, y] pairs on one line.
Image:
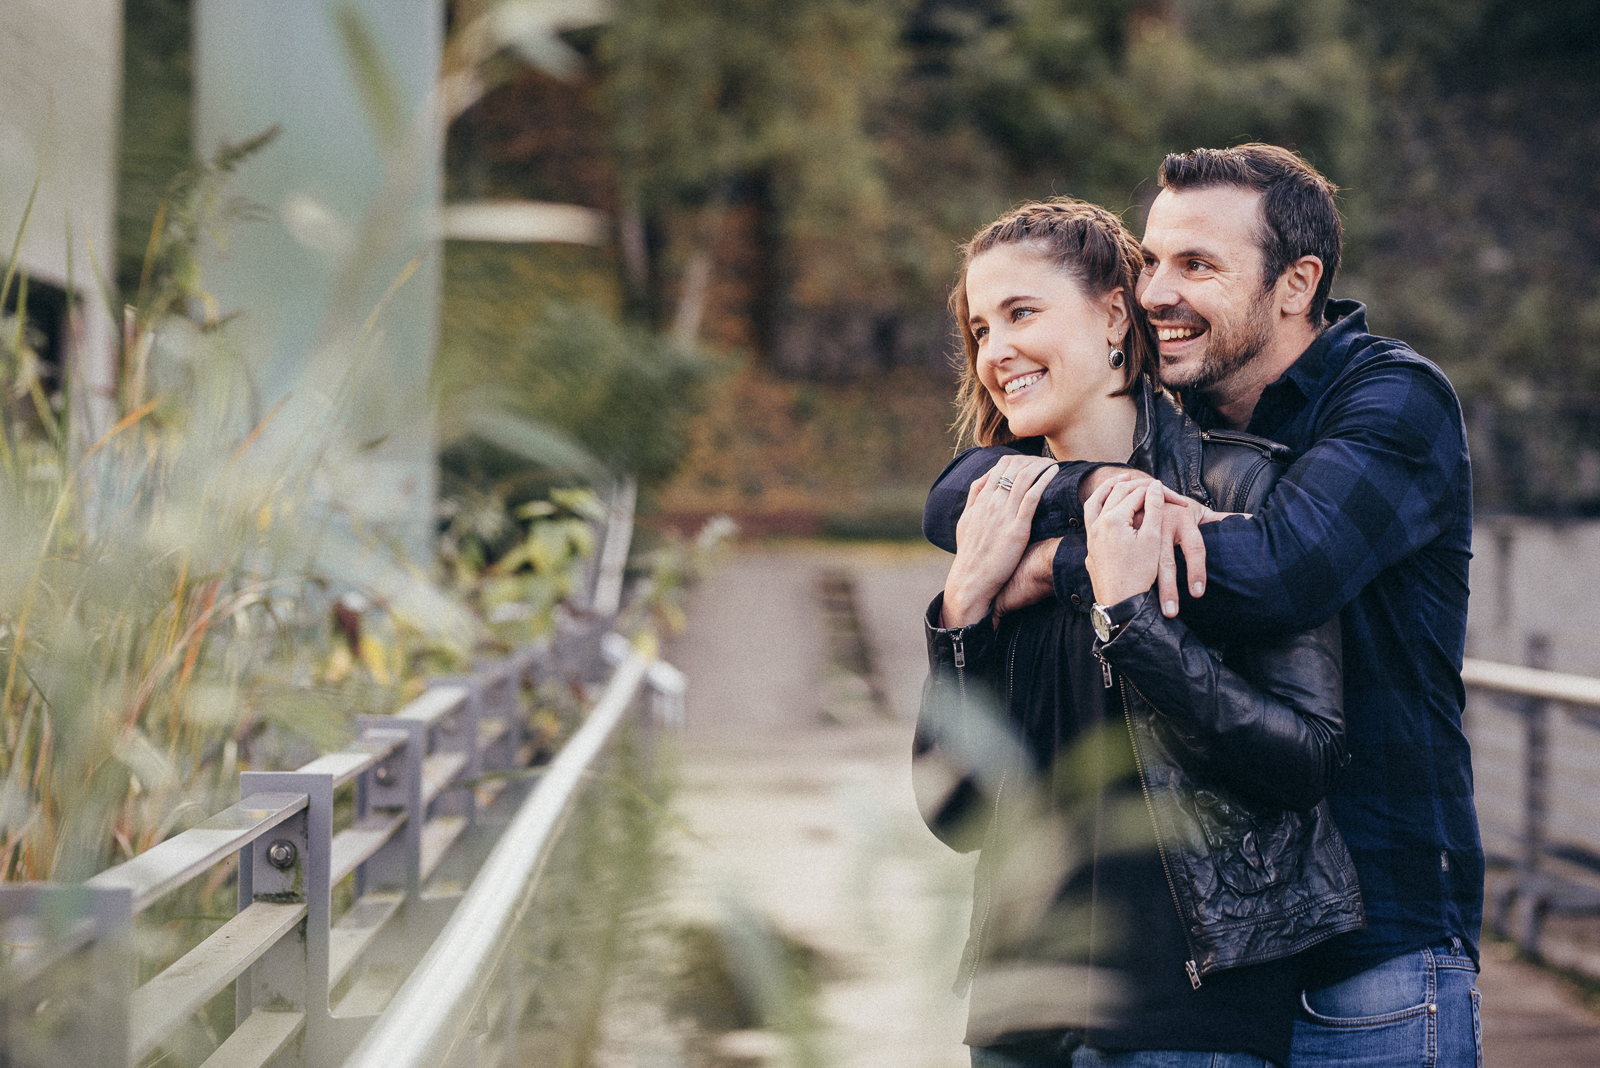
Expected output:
{"points": [[1102, 622]]}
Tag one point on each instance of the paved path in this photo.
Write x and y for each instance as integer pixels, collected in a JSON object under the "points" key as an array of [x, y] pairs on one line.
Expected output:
{"points": [[802, 808]]}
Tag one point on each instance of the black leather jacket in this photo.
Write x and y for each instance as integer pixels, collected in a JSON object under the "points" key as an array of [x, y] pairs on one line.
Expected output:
{"points": [[1233, 772]]}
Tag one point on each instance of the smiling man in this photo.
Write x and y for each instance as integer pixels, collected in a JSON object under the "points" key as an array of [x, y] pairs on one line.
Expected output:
{"points": [[1372, 521]]}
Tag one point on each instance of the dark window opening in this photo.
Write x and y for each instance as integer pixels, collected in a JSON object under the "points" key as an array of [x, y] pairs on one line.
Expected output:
{"points": [[39, 361]]}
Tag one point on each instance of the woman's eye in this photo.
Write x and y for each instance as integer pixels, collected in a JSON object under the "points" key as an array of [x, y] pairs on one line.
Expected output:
{"points": [[1020, 313], [979, 333]]}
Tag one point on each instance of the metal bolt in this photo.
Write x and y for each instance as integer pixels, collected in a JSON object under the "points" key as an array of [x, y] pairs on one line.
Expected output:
{"points": [[281, 854], [384, 775]]}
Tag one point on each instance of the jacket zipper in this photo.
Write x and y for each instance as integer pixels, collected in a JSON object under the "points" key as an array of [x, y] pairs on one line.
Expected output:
{"points": [[961, 664], [1189, 966], [1011, 669]]}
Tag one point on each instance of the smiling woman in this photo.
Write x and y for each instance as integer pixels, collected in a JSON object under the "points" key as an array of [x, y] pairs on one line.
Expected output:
{"points": [[1052, 350]]}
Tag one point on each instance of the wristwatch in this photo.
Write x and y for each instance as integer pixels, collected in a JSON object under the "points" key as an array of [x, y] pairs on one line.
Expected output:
{"points": [[1109, 620]]}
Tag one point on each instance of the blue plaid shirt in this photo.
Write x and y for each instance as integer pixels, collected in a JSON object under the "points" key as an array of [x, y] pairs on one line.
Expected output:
{"points": [[1374, 518]]}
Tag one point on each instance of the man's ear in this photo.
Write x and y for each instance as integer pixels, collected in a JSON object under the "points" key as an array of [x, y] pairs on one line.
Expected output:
{"points": [[1297, 285]]}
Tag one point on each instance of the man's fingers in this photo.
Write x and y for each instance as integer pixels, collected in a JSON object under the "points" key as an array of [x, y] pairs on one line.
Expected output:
{"points": [[1101, 477], [1194, 553]]}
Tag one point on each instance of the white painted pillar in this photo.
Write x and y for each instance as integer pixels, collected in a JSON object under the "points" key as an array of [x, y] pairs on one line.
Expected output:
{"points": [[348, 204], [61, 81]]}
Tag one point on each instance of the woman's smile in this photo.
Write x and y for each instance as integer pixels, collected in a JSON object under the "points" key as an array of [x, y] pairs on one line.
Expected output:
{"points": [[1022, 382]]}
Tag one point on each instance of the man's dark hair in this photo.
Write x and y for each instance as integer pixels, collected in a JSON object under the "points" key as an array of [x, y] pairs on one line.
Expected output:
{"points": [[1296, 203]]}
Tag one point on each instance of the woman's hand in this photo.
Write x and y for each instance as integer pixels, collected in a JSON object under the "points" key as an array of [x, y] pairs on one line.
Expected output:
{"points": [[1123, 524], [1132, 527], [993, 534]]}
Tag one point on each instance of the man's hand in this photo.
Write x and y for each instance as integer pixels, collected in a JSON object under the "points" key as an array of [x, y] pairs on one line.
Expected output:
{"points": [[1032, 581], [1105, 475], [992, 535], [1180, 519]]}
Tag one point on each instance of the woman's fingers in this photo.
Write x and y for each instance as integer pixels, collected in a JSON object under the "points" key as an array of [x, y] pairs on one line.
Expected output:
{"points": [[977, 488], [1111, 492], [1126, 501]]}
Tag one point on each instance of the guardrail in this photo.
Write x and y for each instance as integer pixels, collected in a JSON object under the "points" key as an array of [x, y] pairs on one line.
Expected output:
{"points": [[418, 778], [311, 986], [1535, 738]]}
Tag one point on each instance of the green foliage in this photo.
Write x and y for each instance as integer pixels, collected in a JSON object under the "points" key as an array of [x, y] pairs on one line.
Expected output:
{"points": [[1463, 135], [516, 564], [157, 122], [705, 98]]}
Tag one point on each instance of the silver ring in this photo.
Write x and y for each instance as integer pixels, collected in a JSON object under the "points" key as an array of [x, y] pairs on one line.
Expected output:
{"points": [[1005, 483]]}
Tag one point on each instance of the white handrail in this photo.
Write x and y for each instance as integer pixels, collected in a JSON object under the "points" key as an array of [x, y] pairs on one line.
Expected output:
{"points": [[432, 1010], [1531, 682]]}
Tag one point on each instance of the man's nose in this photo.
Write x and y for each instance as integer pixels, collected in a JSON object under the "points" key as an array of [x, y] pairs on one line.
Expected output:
{"points": [[1154, 289]]}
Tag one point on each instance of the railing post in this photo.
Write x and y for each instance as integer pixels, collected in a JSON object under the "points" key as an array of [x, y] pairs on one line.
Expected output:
{"points": [[1535, 763], [461, 732], [396, 784], [72, 1011], [294, 862]]}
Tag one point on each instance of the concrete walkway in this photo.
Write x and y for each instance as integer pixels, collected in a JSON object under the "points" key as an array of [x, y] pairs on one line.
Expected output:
{"points": [[797, 795]]}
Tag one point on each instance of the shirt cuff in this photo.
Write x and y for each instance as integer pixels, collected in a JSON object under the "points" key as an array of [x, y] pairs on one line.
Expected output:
{"points": [[1068, 573]]}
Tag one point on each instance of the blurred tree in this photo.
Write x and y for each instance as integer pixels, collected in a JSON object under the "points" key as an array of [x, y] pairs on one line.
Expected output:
{"points": [[156, 123], [764, 100], [1479, 241]]}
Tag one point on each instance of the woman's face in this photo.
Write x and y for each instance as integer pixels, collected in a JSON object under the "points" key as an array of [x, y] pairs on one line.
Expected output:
{"points": [[1042, 343]]}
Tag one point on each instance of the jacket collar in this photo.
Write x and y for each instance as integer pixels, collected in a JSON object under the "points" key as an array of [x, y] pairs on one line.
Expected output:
{"points": [[1306, 378], [1166, 442]]}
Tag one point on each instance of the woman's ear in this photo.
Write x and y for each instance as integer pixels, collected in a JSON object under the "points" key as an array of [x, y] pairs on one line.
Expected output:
{"points": [[1117, 318]]}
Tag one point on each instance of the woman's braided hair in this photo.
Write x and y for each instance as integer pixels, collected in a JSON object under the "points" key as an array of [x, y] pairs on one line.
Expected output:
{"points": [[1095, 250]]}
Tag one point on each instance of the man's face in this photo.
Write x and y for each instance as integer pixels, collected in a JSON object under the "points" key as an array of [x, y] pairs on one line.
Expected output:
{"points": [[1201, 284]]}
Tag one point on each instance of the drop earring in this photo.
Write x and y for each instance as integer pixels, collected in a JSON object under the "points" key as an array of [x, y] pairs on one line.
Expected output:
{"points": [[1117, 359]]}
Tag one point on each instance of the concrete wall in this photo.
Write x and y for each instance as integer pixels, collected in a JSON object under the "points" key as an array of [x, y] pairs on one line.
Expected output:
{"points": [[61, 84], [1536, 576]]}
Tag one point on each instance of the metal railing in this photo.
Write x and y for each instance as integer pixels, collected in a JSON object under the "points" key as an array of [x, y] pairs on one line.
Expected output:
{"points": [[418, 777], [311, 986], [1535, 738]]}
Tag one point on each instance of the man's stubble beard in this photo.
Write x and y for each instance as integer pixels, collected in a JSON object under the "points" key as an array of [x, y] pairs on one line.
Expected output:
{"points": [[1228, 351]]}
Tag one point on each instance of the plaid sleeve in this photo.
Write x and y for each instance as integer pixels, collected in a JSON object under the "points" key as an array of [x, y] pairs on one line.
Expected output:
{"points": [[1386, 473]]}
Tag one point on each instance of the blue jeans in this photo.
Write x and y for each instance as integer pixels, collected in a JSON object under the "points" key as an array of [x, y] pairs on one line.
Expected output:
{"points": [[1083, 1057], [1418, 1010]]}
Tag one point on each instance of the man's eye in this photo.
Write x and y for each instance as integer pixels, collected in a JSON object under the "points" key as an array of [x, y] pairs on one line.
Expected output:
{"points": [[1198, 265]]}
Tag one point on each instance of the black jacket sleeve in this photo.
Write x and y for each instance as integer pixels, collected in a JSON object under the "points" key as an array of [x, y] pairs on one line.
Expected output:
{"points": [[960, 747], [1266, 719]]}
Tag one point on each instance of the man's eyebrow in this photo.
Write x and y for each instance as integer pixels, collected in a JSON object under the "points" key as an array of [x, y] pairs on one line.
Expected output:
{"points": [[1187, 254]]}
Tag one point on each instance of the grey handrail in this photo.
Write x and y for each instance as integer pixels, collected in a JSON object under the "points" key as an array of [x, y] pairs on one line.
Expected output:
{"points": [[1531, 682], [432, 1010], [1556, 754]]}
